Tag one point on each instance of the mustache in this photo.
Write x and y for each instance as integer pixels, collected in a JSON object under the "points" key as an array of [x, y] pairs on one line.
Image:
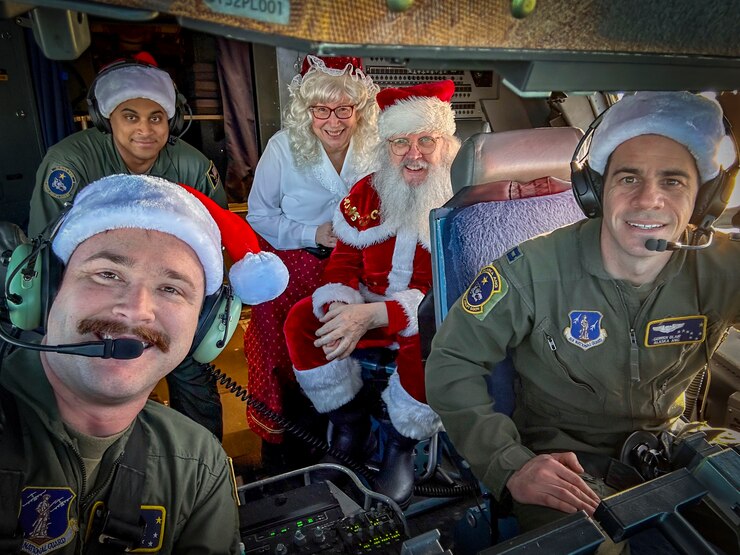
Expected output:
{"points": [[157, 339]]}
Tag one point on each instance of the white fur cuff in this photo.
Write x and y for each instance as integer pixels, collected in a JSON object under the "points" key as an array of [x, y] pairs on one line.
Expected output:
{"points": [[410, 417], [334, 292], [409, 301], [332, 385]]}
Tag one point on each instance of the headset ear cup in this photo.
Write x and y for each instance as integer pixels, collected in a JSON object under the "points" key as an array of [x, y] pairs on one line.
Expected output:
{"points": [[209, 336], [587, 188], [96, 118], [177, 122], [712, 198], [24, 292], [52, 270]]}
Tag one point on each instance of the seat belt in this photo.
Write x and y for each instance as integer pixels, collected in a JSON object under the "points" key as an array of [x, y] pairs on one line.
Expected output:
{"points": [[12, 477], [118, 527]]}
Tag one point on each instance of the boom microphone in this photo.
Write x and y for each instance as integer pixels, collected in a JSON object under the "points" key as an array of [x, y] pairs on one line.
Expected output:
{"points": [[660, 245], [120, 349]]}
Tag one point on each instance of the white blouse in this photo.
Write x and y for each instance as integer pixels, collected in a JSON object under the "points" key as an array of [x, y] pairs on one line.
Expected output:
{"points": [[286, 204]]}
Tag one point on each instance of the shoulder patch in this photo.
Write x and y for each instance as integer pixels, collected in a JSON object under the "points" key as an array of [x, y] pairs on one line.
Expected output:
{"points": [[484, 293], [213, 176], [514, 255], [585, 329], [61, 182], [676, 331], [45, 519]]}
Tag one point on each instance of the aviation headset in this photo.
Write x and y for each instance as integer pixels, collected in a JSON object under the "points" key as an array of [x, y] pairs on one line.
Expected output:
{"points": [[35, 274], [176, 123], [711, 200]]}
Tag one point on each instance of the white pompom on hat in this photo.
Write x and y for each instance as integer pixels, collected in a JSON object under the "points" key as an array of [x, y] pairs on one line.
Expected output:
{"points": [[134, 81], [146, 202], [423, 108], [689, 119]]}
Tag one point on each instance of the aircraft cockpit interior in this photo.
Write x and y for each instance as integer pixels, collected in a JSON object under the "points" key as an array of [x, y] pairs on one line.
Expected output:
{"points": [[536, 251]]}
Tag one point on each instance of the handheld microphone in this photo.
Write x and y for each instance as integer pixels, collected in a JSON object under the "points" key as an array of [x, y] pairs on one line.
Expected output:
{"points": [[120, 349], [661, 245]]}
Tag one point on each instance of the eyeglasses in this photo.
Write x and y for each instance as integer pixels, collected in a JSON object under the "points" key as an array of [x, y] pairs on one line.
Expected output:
{"points": [[401, 145], [324, 112]]}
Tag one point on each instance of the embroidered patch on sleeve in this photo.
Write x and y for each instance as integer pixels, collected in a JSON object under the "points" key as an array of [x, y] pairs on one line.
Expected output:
{"points": [[676, 331], [46, 519], [60, 183], [484, 293], [153, 517], [213, 176]]}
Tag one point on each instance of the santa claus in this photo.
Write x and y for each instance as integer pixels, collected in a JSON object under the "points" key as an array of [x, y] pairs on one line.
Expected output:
{"points": [[376, 277]]}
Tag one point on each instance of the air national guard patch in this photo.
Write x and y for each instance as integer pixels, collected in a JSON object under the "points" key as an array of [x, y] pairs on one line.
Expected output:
{"points": [[676, 331], [585, 329], [484, 293], [45, 519], [61, 182], [153, 517]]}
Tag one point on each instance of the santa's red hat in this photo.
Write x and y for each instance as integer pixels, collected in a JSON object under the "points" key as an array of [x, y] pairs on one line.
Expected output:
{"points": [[256, 276], [423, 108], [147, 202]]}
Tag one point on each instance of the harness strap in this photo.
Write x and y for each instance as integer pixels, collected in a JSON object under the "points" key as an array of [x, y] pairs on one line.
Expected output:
{"points": [[12, 477], [118, 526]]}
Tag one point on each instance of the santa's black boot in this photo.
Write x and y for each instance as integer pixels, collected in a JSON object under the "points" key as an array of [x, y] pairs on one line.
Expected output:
{"points": [[396, 476], [351, 434]]}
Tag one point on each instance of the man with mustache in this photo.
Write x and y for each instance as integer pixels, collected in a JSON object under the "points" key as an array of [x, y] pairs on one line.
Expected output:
{"points": [[142, 262], [606, 333], [137, 114], [375, 279]]}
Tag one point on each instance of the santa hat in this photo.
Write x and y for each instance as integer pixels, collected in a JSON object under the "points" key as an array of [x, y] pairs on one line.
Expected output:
{"points": [[689, 119], [138, 79], [146, 202], [423, 108]]}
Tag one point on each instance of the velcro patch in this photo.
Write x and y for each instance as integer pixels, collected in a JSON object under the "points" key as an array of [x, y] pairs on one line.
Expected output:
{"points": [[676, 331], [514, 255], [60, 183], [484, 293]]}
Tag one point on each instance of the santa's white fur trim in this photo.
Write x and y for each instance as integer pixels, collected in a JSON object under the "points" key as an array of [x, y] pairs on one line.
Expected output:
{"points": [[134, 81], [332, 385], [416, 115], [356, 238], [409, 301], [333, 292], [259, 277], [143, 202], [402, 263], [410, 417]]}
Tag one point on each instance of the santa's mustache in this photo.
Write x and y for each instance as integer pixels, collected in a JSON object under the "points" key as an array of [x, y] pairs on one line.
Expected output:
{"points": [[100, 327]]}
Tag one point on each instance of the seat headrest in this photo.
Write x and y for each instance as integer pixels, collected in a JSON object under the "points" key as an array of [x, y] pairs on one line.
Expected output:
{"points": [[521, 155]]}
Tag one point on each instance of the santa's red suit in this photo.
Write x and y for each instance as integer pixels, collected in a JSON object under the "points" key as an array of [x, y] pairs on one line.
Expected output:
{"points": [[372, 262]]}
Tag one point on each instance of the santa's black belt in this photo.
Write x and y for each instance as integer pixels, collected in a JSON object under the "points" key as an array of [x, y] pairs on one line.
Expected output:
{"points": [[615, 473]]}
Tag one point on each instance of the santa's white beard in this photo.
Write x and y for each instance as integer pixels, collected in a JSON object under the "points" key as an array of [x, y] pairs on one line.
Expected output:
{"points": [[404, 206]]}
